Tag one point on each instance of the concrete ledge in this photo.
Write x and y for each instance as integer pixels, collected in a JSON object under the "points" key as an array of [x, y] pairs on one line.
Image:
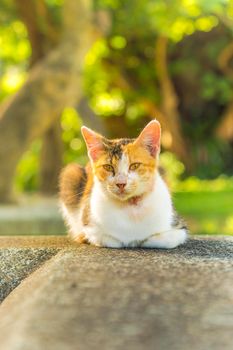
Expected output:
{"points": [[21, 255], [88, 298], [58, 242]]}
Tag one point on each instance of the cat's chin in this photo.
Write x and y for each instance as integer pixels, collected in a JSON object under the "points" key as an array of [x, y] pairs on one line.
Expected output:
{"points": [[122, 197], [125, 197]]}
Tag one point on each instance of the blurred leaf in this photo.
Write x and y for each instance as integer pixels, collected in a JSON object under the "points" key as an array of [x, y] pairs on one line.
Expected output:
{"points": [[27, 171], [74, 146]]}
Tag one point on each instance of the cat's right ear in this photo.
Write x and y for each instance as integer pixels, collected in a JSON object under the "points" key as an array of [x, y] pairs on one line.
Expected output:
{"points": [[150, 137], [93, 141]]}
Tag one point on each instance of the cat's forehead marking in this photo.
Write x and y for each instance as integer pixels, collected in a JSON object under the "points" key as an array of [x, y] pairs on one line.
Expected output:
{"points": [[115, 148]]}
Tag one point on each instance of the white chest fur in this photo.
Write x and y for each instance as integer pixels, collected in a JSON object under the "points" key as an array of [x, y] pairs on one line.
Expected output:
{"points": [[132, 222]]}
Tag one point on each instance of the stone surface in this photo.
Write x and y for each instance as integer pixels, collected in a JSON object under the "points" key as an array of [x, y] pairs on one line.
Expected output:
{"points": [[31, 216], [35, 242], [16, 264], [89, 298], [20, 256]]}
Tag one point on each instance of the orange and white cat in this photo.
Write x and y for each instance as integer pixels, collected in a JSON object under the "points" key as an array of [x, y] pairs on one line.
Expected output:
{"points": [[119, 199]]}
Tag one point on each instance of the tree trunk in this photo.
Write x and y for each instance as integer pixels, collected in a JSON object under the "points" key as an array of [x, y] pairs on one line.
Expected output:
{"points": [[89, 117], [53, 84], [224, 129], [51, 159], [169, 103], [42, 38]]}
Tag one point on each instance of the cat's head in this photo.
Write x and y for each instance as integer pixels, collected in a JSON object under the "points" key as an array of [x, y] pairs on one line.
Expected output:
{"points": [[125, 168]]}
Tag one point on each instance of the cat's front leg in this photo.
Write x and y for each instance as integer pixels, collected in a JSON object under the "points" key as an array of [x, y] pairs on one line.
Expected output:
{"points": [[167, 240]]}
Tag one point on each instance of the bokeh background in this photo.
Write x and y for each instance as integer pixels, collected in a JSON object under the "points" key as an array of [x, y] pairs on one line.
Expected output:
{"points": [[114, 65]]}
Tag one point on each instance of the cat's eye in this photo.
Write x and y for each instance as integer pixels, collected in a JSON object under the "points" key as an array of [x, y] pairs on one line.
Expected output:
{"points": [[134, 166], [109, 168]]}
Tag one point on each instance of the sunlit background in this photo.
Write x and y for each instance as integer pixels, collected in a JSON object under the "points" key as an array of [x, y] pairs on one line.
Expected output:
{"points": [[172, 60]]}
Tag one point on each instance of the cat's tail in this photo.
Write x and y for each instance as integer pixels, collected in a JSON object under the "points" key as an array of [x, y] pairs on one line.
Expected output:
{"points": [[72, 184]]}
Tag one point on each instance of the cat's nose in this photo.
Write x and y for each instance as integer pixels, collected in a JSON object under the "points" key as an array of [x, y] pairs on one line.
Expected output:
{"points": [[121, 186]]}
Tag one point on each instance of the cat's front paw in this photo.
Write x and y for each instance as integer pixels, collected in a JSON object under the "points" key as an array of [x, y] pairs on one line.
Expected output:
{"points": [[168, 240], [107, 242]]}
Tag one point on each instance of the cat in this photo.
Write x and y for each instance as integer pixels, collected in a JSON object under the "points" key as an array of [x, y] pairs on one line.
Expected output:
{"points": [[120, 199]]}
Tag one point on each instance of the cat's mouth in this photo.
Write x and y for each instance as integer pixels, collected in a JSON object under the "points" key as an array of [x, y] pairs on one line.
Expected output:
{"points": [[127, 196], [121, 195]]}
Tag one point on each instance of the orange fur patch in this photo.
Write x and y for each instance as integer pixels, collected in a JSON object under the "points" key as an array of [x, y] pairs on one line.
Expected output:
{"points": [[139, 154], [72, 184]]}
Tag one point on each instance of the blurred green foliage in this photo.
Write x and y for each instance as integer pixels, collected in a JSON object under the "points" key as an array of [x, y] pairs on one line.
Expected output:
{"points": [[28, 169], [74, 146], [27, 173], [14, 54], [208, 211]]}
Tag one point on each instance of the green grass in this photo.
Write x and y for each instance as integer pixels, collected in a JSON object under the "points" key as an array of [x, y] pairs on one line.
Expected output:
{"points": [[208, 211]]}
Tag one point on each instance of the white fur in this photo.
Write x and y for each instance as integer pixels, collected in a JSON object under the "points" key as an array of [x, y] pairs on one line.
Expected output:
{"points": [[147, 224], [123, 165]]}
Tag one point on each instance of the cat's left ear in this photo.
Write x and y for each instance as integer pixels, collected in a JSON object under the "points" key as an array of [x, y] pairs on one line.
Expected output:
{"points": [[150, 137], [94, 142]]}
